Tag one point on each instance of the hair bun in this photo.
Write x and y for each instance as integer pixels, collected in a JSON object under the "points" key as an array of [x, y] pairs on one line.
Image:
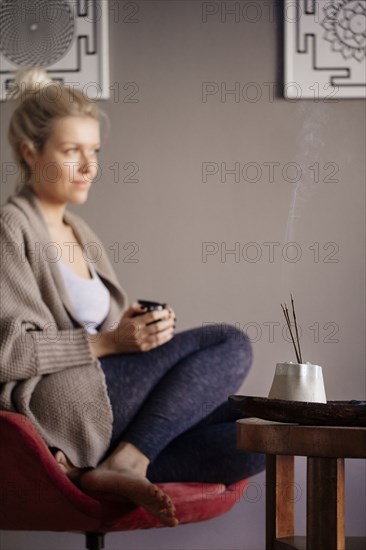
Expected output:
{"points": [[28, 81]]}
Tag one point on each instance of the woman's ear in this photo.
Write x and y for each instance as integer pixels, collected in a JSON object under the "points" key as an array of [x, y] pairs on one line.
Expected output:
{"points": [[28, 153]]}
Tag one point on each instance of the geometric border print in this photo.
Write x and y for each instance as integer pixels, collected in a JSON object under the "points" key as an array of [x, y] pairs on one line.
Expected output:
{"points": [[68, 38], [325, 49]]}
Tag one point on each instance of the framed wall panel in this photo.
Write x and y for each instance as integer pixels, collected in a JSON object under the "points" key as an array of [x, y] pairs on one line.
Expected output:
{"points": [[68, 38], [325, 48]]}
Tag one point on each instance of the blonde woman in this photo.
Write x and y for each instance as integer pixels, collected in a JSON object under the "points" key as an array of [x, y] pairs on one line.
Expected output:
{"points": [[121, 400]]}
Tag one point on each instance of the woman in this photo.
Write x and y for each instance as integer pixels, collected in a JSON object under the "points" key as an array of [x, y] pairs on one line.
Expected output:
{"points": [[122, 402]]}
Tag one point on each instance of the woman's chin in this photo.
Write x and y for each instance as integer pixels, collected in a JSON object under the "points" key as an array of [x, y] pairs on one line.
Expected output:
{"points": [[79, 197]]}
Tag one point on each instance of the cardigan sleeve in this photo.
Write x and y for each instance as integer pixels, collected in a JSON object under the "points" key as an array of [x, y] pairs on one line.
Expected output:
{"points": [[30, 342]]}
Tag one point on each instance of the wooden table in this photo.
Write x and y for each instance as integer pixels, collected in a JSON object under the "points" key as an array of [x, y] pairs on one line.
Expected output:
{"points": [[325, 448]]}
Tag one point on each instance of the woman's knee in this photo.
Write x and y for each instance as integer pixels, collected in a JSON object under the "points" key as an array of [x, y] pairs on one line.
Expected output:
{"points": [[240, 345], [234, 344], [237, 337]]}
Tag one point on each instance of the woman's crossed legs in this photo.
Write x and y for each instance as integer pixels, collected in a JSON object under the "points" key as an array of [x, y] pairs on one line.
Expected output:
{"points": [[171, 418]]}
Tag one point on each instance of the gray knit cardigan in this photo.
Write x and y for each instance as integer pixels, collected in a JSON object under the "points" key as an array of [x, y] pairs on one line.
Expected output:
{"points": [[47, 370]]}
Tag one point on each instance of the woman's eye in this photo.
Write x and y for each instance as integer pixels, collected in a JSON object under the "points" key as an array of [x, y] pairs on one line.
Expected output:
{"points": [[71, 150]]}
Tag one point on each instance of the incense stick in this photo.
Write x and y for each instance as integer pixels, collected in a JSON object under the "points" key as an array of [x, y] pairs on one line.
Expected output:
{"points": [[297, 334], [287, 317]]}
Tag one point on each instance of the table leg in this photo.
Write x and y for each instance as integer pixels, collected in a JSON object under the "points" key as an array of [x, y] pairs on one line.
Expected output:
{"points": [[325, 503], [279, 498]]}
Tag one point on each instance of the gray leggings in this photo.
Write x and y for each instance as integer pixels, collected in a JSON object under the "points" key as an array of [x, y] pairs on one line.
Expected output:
{"points": [[171, 402]]}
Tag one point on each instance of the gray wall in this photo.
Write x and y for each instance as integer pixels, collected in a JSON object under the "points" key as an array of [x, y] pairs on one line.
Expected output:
{"points": [[170, 212]]}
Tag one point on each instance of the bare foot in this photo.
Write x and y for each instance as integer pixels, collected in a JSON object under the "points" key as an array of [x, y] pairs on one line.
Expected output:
{"points": [[130, 485], [122, 478], [69, 469]]}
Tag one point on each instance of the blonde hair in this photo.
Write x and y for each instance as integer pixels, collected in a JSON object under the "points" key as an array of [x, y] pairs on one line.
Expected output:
{"points": [[41, 102]]}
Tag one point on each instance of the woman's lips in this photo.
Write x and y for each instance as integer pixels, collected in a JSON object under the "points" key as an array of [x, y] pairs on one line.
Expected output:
{"points": [[81, 183]]}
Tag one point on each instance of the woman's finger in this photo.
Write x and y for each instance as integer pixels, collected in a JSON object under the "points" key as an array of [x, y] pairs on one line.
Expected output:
{"points": [[134, 308], [156, 315], [159, 326], [161, 338], [171, 312], [154, 340]]}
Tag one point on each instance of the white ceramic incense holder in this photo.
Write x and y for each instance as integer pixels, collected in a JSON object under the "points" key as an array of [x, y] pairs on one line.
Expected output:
{"points": [[298, 382]]}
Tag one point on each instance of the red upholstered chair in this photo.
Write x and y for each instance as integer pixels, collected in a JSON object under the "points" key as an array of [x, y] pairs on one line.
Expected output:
{"points": [[35, 495]]}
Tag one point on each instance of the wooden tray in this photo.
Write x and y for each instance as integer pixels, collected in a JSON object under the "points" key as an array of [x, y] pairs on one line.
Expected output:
{"points": [[332, 413]]}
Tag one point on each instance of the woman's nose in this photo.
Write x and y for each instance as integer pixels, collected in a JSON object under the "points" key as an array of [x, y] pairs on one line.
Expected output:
{"points": [[87, 163], [84, 160]]}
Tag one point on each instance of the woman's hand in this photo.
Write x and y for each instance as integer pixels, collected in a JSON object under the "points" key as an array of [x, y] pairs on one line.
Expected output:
{"points": [[135, 334], [144, 332]]}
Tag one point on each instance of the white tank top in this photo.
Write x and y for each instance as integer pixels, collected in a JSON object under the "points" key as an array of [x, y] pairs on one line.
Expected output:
{"points": [[90, 297]]}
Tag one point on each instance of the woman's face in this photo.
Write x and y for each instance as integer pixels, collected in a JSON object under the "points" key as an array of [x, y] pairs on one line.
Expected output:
{"points": [[63, 172]]}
